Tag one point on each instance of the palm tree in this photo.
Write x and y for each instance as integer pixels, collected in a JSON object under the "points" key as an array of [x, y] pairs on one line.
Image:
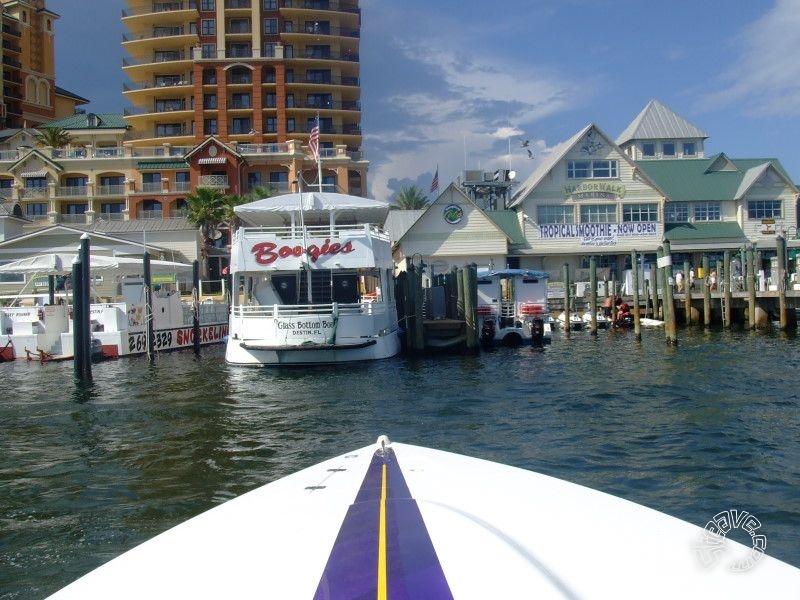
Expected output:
{"points": [[55, 137], [206, 208], [410, 198]]}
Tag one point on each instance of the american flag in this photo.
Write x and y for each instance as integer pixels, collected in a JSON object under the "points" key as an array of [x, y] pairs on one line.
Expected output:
{"points": [[435, 182], [313, 141]]}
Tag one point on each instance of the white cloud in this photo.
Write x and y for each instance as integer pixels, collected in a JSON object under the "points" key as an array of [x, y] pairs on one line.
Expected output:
{"points": [[766, 75]]}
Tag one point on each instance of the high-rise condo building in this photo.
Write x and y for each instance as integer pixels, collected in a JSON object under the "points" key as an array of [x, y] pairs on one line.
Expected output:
{"points": [[237, 86]]}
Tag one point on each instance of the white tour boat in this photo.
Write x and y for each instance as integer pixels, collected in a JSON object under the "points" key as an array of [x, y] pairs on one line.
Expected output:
{"points": [[42, 331], [312, 282], [509, 301], [394, 520]]}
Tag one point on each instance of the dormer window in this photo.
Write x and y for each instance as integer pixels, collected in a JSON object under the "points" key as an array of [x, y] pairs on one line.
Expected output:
{"points": [[668, 148], [648, 150], [689, 149]]}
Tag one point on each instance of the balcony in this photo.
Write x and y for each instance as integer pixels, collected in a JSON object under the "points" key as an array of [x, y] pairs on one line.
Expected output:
{"points": [[160, 7], [72, 218], [34, 192], [110, 190], [150, 214], [71, 191], [213, 181]]}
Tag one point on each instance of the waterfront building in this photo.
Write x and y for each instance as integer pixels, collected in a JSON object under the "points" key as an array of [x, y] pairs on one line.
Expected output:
{"points": [[29, 95], [593, 196], [259, 76]]}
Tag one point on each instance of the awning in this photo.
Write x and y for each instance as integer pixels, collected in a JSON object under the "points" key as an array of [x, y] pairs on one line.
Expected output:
{"points": [[152, 165], [41, 173], [217, 160]]}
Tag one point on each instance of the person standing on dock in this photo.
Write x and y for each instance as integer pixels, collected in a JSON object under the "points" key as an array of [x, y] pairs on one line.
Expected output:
{"points": [[679, 281]]}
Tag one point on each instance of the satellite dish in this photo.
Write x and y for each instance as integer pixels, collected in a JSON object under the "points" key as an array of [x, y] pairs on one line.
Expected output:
{"points": [[512, 175], [215, 234]]}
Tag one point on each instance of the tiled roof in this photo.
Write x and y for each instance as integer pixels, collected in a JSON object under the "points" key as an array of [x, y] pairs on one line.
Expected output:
{"points": [[715, 230], [657, 122], [706, 179], [154, 165], [82, 121], [508, 222]]}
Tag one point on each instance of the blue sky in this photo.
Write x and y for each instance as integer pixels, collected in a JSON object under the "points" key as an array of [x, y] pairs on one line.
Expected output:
{"points": [[460, 84]]}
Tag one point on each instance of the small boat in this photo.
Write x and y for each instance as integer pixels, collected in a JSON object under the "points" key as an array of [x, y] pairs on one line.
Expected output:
{"points": [[512, 307], [576, 322], [313, 282], [394, 520], [648, 322], [603, 322]]}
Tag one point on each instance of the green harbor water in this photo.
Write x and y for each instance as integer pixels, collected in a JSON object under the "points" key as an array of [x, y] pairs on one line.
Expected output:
{"points": [[87, 472]]}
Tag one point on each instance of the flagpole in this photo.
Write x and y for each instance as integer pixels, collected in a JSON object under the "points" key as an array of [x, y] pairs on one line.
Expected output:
{"points": [[319, 159]]}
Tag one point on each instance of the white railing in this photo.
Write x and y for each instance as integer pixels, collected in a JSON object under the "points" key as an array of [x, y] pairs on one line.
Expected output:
{"points": [[257, 311], [110, 190], [321, 231], [71, 190], [213, 181]]}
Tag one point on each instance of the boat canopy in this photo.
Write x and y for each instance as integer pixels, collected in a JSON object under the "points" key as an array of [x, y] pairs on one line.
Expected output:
{"points": [[60, 263], [317, 208], [483, 273]]}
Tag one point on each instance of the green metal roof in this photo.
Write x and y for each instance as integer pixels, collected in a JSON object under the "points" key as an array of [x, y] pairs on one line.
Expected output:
{"points": [[508, 222], [714, 230], [83, 121], [164, 165], [703, 179]]}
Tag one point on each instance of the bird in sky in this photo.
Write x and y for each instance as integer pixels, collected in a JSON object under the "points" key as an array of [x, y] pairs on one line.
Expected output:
{"points": [[530, 154], [526, 143]]}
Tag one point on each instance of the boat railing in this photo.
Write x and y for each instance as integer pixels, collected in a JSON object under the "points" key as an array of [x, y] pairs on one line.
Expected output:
{"points": [[256, 311], [316, 231]]}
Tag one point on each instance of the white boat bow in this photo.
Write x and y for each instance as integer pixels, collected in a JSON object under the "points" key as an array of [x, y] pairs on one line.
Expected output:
{"points": [[401, 521]]}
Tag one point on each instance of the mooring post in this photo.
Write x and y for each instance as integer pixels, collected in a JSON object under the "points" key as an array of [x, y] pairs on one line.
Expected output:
{"points": [[637, 318], [593, 294], [670, 328], [77, 319], [751, 288], [470, 306], [726, 280], [687, 296], [706, 292], [654, 279], [51, 289], [86, 330], [567, 322], [148, 306], [196, 305], [780, 248], [419, 324]]}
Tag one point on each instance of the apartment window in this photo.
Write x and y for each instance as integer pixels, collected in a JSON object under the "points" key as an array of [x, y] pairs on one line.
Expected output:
{"points": [[167, 55], [288, 51], [318, 76], [210, 101], [168, 129], [182, 181], [707, 211], [109, 180], [208, 27], [240, 51], [289, 100], [288, 27], [323, 27], [241, 125], [253, 180], [668, 148], [556, 213], [209, 76], [270, 125], [239, 75], [112, 208], [591, 169], [76, 182], [208, 51], [268, 51], [240, 100], [239, 26], [288, 76], [169, 105], [268, 76], [599, 213], [270, 5], [648, 150], [639, 213], [210, 126], [270, 100], [319, 100], [689, 149], [151, 182], [319, 51], [73, 209], [36, 182], [290, 125], [676, 212], [36, 209], [208, 5], [763, 209], [279, 180], [270, 26]]}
